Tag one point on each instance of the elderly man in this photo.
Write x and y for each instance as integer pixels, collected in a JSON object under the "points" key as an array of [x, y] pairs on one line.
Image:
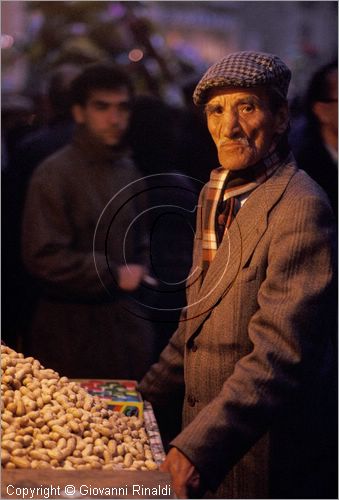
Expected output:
{"points": [[251, 363]]}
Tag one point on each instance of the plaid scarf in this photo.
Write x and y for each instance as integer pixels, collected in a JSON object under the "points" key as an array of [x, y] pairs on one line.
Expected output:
{"points": [[222, 203]]}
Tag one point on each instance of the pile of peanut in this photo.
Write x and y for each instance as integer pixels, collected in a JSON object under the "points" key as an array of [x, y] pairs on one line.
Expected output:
{"points": [[48, 421]]}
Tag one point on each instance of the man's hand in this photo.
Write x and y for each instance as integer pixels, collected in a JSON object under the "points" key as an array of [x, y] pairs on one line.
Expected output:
{"points": [[185, 477], [130, 276]]}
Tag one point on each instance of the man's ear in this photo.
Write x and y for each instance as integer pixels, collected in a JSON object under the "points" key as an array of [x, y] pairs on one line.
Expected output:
{"points": [[78, 114], [282, 118]]}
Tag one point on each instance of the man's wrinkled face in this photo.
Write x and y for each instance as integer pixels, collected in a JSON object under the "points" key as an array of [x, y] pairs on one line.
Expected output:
{"points": [[242, 125], [106, 115]]}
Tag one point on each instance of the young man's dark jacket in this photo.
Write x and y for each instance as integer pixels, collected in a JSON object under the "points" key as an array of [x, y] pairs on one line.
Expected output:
{"points": [[81, 222]]}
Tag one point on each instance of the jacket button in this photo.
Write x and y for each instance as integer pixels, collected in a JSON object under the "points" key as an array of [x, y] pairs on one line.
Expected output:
{"points": [[191, 400], [194, 347]]}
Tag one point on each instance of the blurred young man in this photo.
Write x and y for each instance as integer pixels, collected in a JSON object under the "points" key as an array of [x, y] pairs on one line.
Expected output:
{"points": [[82, 244]]}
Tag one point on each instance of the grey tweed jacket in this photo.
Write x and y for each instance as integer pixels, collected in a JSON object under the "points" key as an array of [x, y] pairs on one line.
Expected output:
{"points": [[254, 351]]}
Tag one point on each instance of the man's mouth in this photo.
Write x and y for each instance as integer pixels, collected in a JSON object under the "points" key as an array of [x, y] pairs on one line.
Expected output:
{"points": [[113, 132], [234, 144], [113, 135]]}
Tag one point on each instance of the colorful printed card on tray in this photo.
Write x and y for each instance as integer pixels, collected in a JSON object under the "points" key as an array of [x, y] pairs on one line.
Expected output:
{"points": [[121, 395]]}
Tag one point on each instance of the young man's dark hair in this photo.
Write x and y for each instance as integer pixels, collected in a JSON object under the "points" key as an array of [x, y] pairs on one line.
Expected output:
{"points": [[59, 86], [99, 77]]}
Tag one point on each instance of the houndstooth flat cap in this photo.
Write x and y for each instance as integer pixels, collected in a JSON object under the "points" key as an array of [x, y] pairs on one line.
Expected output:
{"points": [[244, 69]]}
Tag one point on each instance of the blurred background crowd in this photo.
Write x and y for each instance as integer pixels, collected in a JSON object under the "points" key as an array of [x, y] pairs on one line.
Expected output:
{"points": [[165, 46]]}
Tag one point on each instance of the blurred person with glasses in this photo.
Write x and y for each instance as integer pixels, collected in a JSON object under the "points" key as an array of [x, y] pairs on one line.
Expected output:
{"points": [[317, 149]]}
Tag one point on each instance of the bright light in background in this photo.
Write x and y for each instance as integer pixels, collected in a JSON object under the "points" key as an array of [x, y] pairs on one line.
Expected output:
{"points": [[7, 41], [135, 55]]}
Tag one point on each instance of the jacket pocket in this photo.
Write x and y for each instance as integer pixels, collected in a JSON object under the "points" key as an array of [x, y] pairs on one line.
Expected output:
{"points": [[245, 305]]}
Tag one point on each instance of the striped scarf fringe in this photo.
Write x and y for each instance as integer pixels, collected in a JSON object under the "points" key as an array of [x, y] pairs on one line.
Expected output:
{"points": [[217, 190]]}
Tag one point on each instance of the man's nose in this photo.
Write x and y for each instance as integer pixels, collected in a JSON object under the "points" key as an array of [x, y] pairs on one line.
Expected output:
{"points": [[230, 124], [114, 117]]}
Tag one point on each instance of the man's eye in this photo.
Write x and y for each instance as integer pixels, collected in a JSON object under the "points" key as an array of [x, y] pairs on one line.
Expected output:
{"points": [[100, 106], [125, 107], [214, 110], [247, 108]]}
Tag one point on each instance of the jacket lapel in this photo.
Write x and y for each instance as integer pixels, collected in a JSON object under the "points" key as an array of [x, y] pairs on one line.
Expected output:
{"points": [[237, 246]]}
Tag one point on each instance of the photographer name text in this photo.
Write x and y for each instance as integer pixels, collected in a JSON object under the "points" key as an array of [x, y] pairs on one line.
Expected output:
{"points": [[70, 490]]}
